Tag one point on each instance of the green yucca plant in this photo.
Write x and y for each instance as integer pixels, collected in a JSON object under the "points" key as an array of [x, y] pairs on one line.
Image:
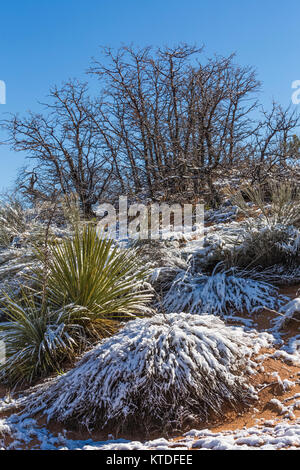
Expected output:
{"points": [[86, 288], [37, 340], [89, 271]]}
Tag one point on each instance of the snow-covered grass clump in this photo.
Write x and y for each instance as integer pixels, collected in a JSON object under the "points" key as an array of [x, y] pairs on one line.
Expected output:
{"points": [[161, 372], [224, 214], [263, 246], [220, 294], [268, 252]]}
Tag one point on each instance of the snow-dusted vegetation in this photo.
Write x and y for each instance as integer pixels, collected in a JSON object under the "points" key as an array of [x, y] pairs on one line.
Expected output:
{"points": [[167, 371], [289, 312], [64, 288], [158, 372], [83, 287], [124, 336], [219, 294]]}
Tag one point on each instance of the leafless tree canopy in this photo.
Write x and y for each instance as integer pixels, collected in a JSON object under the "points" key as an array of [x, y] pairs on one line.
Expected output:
{"points": [[166, 121], [65, 146]]}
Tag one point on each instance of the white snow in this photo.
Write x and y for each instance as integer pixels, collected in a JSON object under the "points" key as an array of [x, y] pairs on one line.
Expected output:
{"points": [[219, 294], [266, 436], [180, 364]]}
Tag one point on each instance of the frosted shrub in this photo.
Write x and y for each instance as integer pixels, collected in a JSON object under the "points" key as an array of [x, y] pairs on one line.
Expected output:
{"points": [[12, 221], [255, 248], [278, 202], [219, 294], [265, 246], [155, 373]]}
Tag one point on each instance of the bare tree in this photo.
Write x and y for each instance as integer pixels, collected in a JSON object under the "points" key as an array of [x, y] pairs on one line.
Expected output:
{"points": [[168, 122], [173, 120], [64, 144], [272, 148]]}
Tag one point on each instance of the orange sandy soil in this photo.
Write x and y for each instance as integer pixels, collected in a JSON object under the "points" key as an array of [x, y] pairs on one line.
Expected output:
{"points": [[260, 410], [256, 413]]}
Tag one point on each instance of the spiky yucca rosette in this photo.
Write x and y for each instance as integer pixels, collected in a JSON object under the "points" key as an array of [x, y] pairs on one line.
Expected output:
{"points": [[155, 373]]}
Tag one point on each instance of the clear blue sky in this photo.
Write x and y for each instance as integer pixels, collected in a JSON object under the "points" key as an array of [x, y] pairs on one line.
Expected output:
{"points": [[44, 42]]}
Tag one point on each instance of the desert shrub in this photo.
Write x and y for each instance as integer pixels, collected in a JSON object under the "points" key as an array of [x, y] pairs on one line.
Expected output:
{"points": [[279, 202], [155, 373], [265, 246], [262, 242], [160, 253], [12, 222], [221, 294]]}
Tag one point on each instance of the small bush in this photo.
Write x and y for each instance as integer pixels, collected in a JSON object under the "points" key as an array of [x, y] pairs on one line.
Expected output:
{"points": [[155, 373], [219, 294], [279, 202]]}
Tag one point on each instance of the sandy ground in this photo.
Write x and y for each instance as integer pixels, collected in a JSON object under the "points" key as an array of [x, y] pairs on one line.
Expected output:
{"points": [[259, 412]]}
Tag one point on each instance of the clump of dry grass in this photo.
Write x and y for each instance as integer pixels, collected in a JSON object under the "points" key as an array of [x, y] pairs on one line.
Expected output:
{"points": [[222, 293], [155, 373], [278, 202]]}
